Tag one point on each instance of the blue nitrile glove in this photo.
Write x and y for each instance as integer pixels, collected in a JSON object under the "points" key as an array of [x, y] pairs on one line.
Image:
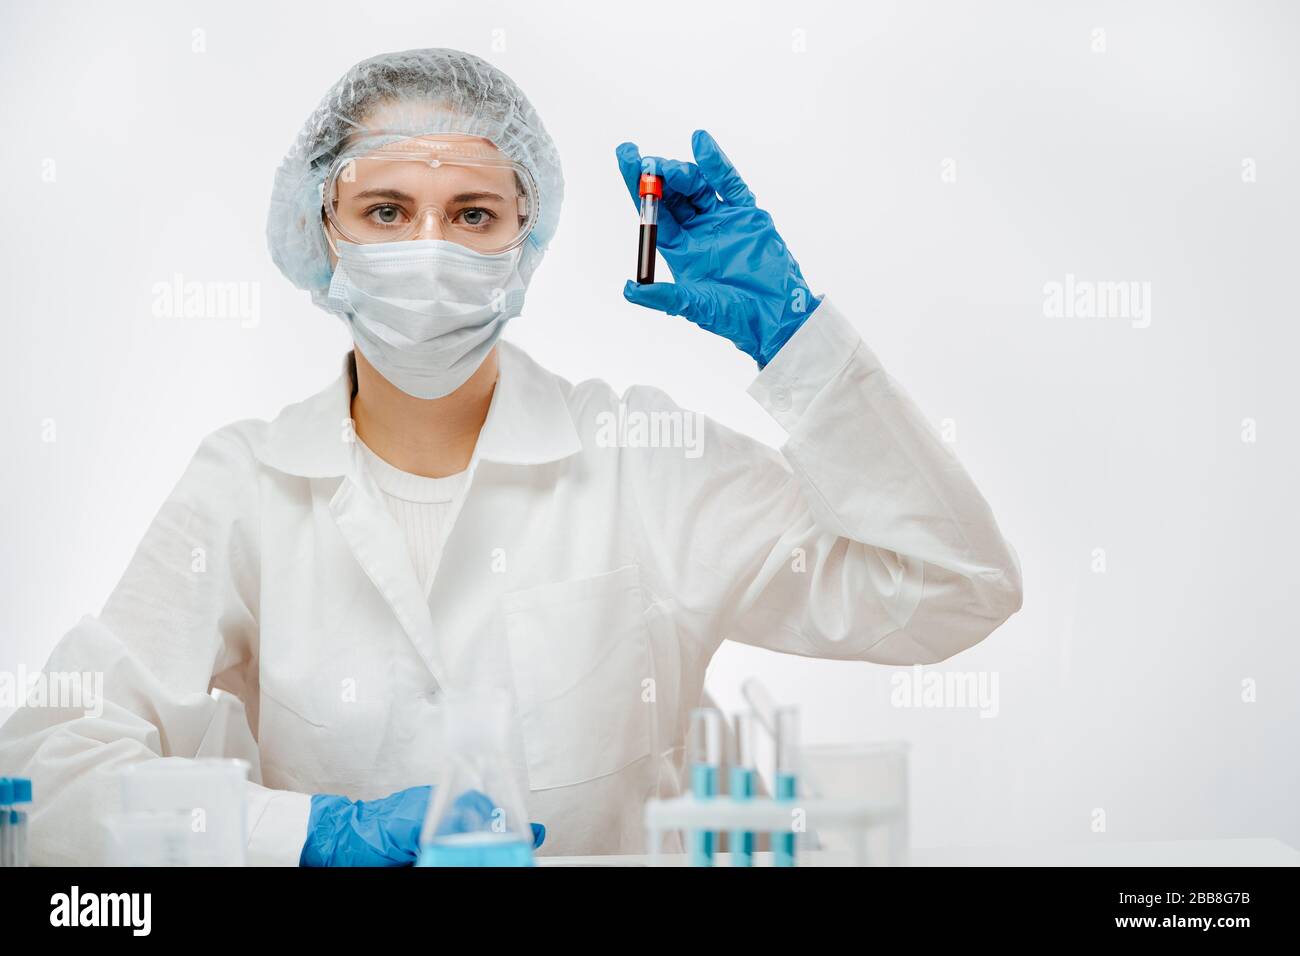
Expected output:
{"points": [[733, 274], [383, 832], [472, 811]]}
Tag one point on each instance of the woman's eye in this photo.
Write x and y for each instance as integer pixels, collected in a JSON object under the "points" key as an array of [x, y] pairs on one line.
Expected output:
{"points": [[385, 215], [477, 217]]}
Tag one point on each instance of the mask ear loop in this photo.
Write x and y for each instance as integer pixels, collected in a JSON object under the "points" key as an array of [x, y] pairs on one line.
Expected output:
{"points": [[329, 239]]}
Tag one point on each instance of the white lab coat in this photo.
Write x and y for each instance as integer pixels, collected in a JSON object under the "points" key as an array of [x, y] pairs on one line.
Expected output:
{"points": [[591, 579]]}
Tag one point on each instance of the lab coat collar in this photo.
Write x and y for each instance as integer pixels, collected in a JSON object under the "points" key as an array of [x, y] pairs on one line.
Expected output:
{"points": [[528, 422]]}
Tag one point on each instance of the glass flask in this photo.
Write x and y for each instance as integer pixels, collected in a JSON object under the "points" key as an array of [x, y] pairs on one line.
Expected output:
{"points": [[477, 816]]}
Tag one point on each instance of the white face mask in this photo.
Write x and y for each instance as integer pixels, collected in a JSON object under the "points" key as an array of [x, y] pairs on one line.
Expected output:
{"points": [[425, 312]]}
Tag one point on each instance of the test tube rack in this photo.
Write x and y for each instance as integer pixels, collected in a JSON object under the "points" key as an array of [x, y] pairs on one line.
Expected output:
{"points": [[856, 819]]}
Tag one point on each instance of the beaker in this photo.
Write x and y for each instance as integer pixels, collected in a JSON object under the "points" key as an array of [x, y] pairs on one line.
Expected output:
{"points": [[180, 812]]}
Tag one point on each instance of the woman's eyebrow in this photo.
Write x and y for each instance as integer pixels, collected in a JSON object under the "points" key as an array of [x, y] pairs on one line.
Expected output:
{"points": [[383, 194], [474, 197]]}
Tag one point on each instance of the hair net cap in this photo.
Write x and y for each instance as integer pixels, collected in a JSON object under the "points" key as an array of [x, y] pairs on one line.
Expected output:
{"points": [[398, 95]]}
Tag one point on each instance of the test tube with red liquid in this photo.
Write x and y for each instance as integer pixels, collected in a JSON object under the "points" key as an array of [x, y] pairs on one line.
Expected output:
{"points": [[651, 191]]}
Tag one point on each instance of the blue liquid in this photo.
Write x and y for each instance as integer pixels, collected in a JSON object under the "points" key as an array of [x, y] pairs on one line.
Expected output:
{"points": [[704, 786], [742, 841], [783, 843], [476, 852]]}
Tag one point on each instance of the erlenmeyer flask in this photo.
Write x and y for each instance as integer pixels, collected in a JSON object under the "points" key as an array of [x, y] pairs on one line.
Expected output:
{"points": [[477, 816]]}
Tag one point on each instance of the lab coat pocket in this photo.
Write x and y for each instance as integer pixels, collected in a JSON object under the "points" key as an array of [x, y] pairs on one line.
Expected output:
{"points": [[582, 667]]}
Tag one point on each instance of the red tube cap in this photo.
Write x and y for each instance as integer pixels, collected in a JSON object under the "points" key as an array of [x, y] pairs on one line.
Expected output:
{"points": [[652, 185]]}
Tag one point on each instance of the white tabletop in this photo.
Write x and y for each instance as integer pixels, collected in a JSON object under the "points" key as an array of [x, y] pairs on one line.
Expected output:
{"points": [[1252, 852]]}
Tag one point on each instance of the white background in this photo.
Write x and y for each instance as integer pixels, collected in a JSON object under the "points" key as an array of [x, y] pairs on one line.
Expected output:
{"points": [[1119, 690]]}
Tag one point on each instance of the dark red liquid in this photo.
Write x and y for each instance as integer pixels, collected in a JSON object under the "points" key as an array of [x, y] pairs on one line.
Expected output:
{"points": [[645, 255]]}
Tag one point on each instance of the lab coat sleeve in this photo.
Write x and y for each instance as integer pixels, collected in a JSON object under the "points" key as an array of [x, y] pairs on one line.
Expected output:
{"points": [[182, 620], [864, 539]]}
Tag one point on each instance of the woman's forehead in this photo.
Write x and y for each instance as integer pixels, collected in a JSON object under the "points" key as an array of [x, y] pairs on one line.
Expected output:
{"points": [[476, 145]]}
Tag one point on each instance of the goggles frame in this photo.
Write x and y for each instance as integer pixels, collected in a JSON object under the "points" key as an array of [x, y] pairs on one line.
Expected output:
{"points": [[433, 154]]}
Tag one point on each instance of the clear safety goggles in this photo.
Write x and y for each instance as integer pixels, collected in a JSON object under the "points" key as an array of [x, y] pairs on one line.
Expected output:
{"points": [[460, 190]]}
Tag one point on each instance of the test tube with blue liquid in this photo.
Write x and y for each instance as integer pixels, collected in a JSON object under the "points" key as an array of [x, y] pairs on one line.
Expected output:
{"points": [[704, 760], [18, 810], [6, 798], [742, 785], [785, 782]]}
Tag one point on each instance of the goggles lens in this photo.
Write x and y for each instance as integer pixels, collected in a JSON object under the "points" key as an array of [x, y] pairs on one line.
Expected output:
{"points": [[390, 195]]}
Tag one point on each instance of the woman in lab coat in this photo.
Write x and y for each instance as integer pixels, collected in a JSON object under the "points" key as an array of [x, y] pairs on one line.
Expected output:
{"points": [[447, 514]]}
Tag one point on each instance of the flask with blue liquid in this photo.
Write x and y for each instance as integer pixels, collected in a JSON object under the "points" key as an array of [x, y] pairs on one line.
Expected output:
{"points": [[477, 816]]}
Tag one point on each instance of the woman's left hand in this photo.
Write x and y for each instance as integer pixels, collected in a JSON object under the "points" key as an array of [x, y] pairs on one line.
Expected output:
{"points": [[733, 274]]}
